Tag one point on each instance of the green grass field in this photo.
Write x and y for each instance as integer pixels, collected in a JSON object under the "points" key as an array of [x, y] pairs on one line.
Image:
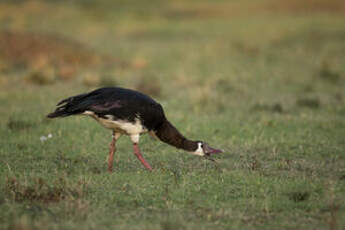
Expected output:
{"points": [[263, 80]]}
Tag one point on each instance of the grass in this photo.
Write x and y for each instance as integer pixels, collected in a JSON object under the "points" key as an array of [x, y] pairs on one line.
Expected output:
{"points": [[264, 81]]}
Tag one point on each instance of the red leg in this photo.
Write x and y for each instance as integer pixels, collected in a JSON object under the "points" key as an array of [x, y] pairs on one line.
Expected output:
{"points": [[140, 157], [112, 149]]}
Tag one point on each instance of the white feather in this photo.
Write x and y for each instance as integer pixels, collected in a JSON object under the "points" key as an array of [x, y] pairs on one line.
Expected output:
{"points": [[199, 151], [121, 126]]}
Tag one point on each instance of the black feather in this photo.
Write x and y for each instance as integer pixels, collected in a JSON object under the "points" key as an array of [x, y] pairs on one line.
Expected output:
{"points": [[122, 104]]}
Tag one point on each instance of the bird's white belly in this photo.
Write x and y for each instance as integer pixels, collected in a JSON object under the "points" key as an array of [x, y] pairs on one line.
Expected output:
{"points": [[122, 126]]}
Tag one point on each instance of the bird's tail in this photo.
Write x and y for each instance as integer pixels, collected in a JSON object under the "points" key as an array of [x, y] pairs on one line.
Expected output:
{"points": [[67, 107]]}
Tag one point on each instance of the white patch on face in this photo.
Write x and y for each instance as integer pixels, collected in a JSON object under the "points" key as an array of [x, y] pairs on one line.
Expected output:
{"points": [[199, 151]]}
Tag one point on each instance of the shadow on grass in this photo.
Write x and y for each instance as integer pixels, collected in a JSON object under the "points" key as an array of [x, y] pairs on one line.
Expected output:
{"points": [[17, 125], [312, 103], [41, 190]]}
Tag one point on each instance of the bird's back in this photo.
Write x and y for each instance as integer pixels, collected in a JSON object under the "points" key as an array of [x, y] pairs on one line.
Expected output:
{"points": [[122, 104]]}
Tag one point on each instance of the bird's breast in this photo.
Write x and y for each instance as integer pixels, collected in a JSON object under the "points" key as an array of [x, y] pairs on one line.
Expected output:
{"points": [[119, 125]]}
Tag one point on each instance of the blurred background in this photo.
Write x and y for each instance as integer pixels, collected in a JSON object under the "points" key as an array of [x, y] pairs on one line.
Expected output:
{"points": [[262, 79], [271, 54]]}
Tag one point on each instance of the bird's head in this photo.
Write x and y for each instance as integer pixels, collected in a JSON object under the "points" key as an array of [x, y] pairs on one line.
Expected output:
{"points": [[203, 149]]}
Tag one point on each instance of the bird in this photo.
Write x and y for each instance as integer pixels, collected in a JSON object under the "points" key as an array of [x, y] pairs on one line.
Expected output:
{"points": [[132, 113]]}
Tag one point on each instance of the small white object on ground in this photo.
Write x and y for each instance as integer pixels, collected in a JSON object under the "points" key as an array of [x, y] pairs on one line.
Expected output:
{"points": [[44, 138]]}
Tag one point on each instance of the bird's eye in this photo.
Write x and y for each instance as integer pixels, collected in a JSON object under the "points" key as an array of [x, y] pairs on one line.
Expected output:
{"points": [[202, 145]]}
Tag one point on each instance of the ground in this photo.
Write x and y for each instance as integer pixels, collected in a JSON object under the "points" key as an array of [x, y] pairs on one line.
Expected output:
{"points": [[263, 80]]}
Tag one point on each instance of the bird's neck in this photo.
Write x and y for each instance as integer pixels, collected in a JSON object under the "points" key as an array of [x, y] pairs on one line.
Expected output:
{"points": [[167, 133]]}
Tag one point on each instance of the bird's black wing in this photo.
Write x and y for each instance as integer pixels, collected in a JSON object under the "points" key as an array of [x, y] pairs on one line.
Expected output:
{"points": [[121, 104], [73, 105], [124, 104]]}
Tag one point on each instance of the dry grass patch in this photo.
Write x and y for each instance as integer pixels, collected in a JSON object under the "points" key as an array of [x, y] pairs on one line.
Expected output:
{"points": [[42, 49], [334, 6], [41, 190], [229, 9], [49, 56]]}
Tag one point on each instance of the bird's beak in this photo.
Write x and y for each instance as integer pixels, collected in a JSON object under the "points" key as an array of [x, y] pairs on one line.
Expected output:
{"points": [[210, 150]]}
